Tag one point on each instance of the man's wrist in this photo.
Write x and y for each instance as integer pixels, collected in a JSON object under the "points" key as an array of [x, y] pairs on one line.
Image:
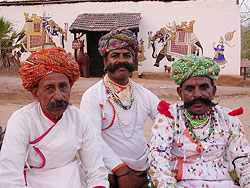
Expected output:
{"points": [[125, 174], [122, 171]]}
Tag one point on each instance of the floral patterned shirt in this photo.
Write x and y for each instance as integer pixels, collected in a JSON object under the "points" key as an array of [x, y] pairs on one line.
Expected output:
{"points": [[178, 159]]}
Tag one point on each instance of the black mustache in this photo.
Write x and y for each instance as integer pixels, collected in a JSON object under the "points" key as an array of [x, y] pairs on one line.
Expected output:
{"points": [[112, 68], [206, 101], [55, 104]]}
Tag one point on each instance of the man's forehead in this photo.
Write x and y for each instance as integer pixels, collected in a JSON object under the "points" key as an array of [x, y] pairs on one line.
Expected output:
{"points": [[54, 78], [197, 80], [122, 50]]}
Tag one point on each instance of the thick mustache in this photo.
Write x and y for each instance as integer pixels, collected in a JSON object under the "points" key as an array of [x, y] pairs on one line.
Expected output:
{"points": [[55, 104], [206, 101], [112, 68]]}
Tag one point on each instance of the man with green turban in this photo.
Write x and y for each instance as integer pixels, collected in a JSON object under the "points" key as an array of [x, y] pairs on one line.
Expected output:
{"points": [[192, 143]]}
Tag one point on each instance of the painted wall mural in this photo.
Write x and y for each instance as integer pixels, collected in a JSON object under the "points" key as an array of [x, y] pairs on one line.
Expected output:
{"points": [[176, 41], [140, 55], [219, 48], [39, 32]]}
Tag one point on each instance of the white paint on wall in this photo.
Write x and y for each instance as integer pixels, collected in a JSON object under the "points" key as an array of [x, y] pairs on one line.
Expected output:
{"points": [[213, 19]]}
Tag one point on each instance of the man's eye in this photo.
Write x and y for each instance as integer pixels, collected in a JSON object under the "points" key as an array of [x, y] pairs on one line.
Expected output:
{"points": [[189, 89], [204, 87], [64, 86], [114, 56], [48, 89], [128, 56]]}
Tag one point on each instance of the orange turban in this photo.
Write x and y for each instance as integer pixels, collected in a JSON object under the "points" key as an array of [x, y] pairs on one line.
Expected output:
{"points": [[47, 61]]}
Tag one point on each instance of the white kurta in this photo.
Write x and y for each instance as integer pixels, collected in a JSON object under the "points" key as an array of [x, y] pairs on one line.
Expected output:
{"points": [[120, 143], [173, 154], [55, 152]]}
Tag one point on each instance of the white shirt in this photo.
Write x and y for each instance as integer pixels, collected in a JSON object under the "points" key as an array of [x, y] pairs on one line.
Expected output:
{"points": [[120, 143], [71, 134]]}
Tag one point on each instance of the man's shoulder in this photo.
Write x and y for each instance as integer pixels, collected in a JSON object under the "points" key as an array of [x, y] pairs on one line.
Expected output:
{"points": [[25, 113], [140, 88], [29, 108], [229, 112], [97, 86]]}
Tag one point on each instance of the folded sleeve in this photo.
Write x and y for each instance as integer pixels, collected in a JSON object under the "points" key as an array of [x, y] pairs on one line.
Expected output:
{"points": [[160, 170], [239, 150]]}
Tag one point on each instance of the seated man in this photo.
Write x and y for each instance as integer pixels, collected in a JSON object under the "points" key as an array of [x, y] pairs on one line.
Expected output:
{"points": [[118, 108], [42, 138], [192, 143]]}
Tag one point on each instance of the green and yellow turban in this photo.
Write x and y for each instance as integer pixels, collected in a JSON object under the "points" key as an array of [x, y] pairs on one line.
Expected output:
{"points": [[42, 63], [118, 39], [193, 66]]}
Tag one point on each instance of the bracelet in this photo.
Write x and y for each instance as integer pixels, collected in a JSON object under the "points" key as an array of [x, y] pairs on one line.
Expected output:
{"points": [[123, 174]]}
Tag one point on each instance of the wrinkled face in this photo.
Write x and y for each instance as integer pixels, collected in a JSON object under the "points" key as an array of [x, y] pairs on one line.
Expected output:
{"points": [[197, 88], [53, 93], [119, 64]]}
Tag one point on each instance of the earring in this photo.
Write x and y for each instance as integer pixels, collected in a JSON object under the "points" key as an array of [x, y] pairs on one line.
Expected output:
{"points": [[105, 69]]}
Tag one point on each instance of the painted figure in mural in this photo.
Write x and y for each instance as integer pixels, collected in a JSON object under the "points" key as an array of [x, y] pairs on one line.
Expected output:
{"points": [[118, 108], [177, 41], [39, 31], [193, 143], [83, 61], [42, 138], [219, 49], [219, 52], [140, 57]]}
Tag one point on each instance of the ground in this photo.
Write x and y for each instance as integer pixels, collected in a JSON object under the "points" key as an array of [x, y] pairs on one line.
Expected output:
{"points": [[13, 96]]}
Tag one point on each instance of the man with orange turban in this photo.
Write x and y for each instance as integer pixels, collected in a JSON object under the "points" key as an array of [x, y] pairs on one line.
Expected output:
{"points": [[42, 138]]}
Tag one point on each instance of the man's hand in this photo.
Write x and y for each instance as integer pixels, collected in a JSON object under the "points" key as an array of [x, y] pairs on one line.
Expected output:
{"points": [[127, 179]]}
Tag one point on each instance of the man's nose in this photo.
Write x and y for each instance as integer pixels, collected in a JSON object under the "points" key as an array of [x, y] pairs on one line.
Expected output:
{"points": [[58, 95], [197, 93], [121, 59]]}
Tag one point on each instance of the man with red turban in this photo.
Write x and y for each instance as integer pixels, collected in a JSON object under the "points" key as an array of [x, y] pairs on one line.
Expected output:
{"points": [[118, 108], [42, 138]]}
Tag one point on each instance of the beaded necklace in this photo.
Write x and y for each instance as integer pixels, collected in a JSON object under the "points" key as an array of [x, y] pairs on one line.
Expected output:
{"points": [[191, 128], [198, 120], [116, 102], [114, 92]]}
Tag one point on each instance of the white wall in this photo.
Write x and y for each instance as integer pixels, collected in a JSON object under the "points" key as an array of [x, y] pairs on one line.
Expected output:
{"points": [[213, 19]]}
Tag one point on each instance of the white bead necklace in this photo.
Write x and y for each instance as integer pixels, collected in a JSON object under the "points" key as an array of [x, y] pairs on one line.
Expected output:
{"points": [[123, 124]]}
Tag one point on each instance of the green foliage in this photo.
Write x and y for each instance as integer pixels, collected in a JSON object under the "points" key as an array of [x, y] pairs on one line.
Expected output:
{"points": [[245, 44], [7, 35]]}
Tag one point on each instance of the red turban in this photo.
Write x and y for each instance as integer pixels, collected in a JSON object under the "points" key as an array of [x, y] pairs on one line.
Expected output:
{"points": [[47, 61]]}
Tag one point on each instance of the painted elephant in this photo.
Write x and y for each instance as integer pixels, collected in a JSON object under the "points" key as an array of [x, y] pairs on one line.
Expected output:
{"points": [[177, 41], [39, 31]]}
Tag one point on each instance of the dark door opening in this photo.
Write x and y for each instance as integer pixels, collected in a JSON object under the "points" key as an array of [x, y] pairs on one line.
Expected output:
{"points": [[96, 61]]}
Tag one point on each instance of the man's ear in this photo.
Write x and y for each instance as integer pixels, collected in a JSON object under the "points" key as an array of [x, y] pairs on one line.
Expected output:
{"points": [[104, 61], [179, 91], [214, 91], [34, 92]]}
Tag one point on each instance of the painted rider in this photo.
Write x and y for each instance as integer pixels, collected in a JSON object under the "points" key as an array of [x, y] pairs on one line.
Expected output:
{"points": [[43, 138], [118, 108], [193, 143]]}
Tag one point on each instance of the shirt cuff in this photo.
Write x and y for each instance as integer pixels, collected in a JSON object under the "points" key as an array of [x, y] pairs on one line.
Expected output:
{"points": [[117, 167]]}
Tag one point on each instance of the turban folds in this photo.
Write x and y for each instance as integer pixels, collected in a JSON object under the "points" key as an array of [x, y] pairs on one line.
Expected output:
{"points": [[193, 66], [42, 63], [118, 39]]}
